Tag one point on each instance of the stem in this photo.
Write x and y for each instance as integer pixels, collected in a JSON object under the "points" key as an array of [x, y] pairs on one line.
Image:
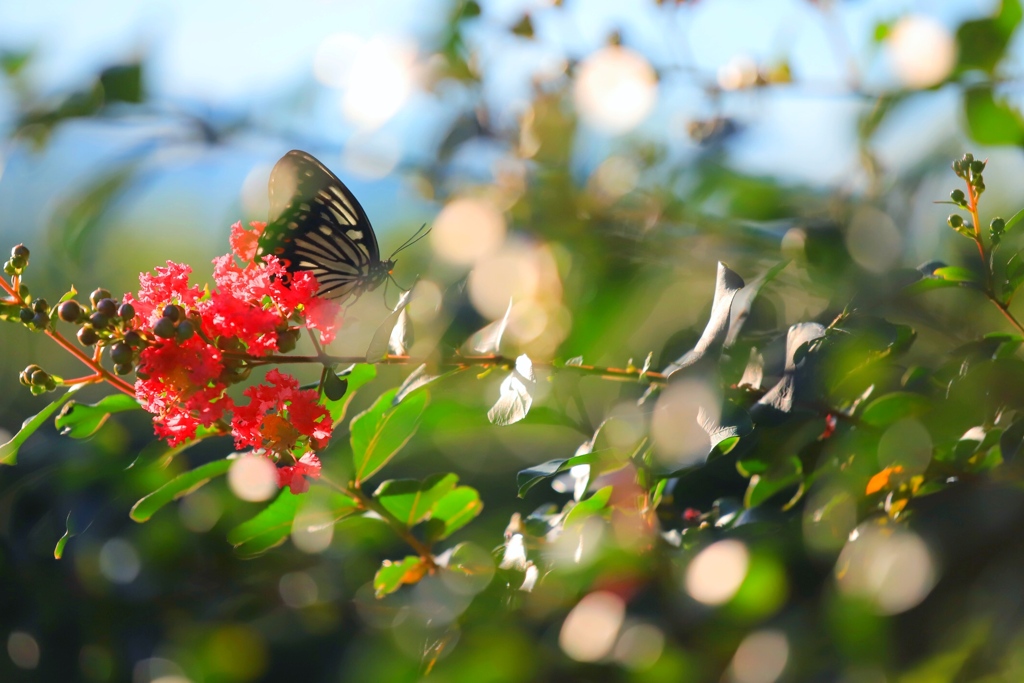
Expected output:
{"points": [[458, 361], [972, 208], [986, 264], [368, 503], [114, 380], [1004, 309]]}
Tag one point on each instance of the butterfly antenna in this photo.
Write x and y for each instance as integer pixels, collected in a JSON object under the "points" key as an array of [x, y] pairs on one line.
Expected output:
{"points": [[416, 237]]}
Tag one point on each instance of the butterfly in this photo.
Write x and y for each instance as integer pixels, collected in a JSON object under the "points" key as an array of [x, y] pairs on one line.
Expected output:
{"points": [[317, 225]]}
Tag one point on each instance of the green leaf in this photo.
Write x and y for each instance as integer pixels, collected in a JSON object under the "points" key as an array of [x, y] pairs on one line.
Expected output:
{"points": [[991, 121], [955, 274], [268, 529], [334, 386], [596, 504], [355, 376], [379, 432], [531, 476], [1013, 220], [182, 485], [409, 500], [273, 524], [455, 510], [744, 301], [773, 480], [391, 575], [380, 344], [885, 410], [927, 284], [9, 450], [982, 43], [81, 420], [74, 527], [161, 454]]}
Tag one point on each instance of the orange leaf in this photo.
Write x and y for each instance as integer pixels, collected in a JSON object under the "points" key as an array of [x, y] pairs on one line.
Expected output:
{"points": [[881, 480]]}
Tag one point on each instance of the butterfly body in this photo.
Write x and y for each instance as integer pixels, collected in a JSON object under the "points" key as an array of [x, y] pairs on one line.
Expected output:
{"points": [[317, 225]]}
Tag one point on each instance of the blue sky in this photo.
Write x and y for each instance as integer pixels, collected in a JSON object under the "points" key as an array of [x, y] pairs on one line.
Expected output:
{"points": [[236, 58]]}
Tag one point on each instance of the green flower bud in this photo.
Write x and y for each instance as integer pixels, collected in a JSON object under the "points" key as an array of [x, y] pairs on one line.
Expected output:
{"points": [[955, 220]]}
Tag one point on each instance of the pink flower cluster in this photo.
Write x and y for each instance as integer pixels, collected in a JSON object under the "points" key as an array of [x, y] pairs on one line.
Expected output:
{"points": [[252, 310]]}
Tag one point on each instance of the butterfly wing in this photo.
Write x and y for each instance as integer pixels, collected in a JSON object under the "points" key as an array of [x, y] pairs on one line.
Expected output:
{"points": [[316, 224]]}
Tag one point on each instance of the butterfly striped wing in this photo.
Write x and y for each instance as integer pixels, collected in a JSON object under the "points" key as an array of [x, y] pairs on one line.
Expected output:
{"points": [[316, 224]]}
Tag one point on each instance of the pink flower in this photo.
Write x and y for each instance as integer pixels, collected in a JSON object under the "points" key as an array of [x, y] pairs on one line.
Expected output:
{"points": [[294, 477]]}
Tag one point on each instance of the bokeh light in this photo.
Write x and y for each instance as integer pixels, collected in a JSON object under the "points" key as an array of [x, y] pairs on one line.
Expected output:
{"points": [[760, 658], [199, 511], [466, 230], [874, 240], [889, 566], [679, 438], [380, 79], [615, 90], [639, 646], [298, 589], [589, 631], [714, 576], [313, 529], [253, 478], [23, 649], [922, 51], [119, 561]]}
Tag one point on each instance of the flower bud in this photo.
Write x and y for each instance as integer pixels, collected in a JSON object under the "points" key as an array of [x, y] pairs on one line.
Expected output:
{"points": [[98, 320], [185, 330], [121, 353], [123, 368], [172, 312], [997, 226], [87, 335], [107, 307], [20, 251], [126, 312], [69, 311], [26, 315], [97, 296], [41, 320], [958, 197], [955, 220], [133, 339], [164, 328], [40, 306]]}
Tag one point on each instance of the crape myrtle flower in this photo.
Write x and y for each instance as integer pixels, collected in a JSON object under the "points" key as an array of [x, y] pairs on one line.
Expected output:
{"points": [[200, 339]]}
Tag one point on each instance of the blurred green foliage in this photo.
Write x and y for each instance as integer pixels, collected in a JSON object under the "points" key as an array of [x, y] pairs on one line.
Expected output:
{"points": [[824, 484]]}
